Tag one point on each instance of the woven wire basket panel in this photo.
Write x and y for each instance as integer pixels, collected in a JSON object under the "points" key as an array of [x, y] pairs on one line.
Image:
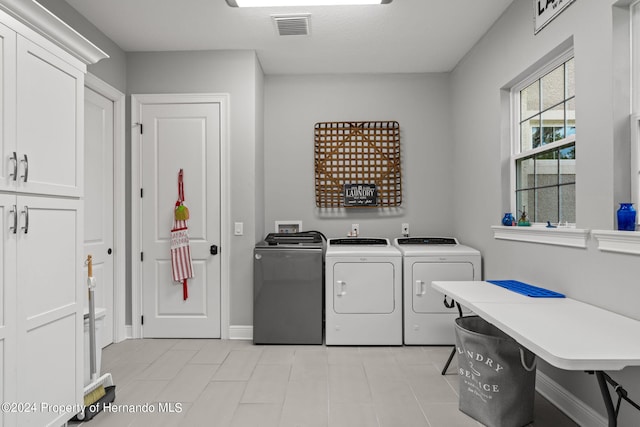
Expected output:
{"points": [[357, 153]]}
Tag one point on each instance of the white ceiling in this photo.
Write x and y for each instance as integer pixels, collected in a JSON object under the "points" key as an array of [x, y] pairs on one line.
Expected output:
{"points": [[405, 36]]}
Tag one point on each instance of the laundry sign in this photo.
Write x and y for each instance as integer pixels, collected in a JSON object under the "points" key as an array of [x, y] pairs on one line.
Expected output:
{"points": [[545, 10], [360, 195]]}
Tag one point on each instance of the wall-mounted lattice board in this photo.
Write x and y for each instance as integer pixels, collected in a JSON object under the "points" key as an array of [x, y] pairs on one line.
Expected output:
{"points": [[357, 153]]}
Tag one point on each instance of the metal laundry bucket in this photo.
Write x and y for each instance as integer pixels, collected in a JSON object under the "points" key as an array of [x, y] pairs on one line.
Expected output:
{"points": [[497, 375]]}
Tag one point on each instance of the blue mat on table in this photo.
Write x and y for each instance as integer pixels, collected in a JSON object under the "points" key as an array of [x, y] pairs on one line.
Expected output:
{"points": [[526, 289]]}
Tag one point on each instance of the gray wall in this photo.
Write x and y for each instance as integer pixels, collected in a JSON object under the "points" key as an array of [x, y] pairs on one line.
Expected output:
{"points": [[421, 105], [481, 157], [454, 151], [236, 73], [259, 161], [112, 70]]}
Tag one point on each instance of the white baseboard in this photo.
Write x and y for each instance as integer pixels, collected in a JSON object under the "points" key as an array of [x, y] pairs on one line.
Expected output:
{"points": [[573, 407], [241, 332], [238, 332]]}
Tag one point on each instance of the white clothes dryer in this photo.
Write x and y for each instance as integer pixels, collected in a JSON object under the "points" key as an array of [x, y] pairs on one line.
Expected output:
{"points": [[425, 259], [363, 292]]}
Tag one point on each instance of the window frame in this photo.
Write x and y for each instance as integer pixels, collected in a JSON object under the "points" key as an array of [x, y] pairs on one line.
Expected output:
{"points": [[516, 153], [634, 119]]}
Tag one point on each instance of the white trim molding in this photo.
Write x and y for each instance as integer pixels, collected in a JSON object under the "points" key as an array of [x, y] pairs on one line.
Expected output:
{"points": [[626, 242], [39, 19], [137, 100], [241, 332], [119, 195], [572, 237]]}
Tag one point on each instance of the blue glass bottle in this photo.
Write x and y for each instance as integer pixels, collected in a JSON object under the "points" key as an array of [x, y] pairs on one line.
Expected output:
{"points": [[626, 217], [508, 219]]}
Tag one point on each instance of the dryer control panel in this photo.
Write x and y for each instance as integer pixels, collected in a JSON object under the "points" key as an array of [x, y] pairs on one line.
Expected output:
{"points": [[428, 241]]}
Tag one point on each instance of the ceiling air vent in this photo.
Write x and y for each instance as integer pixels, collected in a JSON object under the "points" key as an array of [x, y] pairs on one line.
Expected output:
{"points": [[292, 25]]}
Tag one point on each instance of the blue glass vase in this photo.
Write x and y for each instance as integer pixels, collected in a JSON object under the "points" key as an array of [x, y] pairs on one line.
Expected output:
{"points": [[508, 219], [626, 217]]}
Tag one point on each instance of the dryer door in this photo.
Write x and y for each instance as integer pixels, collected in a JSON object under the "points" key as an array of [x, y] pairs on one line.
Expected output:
{"points": [[424, 298], [363, 287]]}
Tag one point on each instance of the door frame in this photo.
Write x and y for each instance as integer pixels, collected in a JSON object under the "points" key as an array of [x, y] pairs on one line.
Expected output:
{"points": [[119, 202], [137, 101]]}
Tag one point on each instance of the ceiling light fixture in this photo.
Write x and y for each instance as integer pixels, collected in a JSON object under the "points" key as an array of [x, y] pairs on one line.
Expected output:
{"points": [[274, 3]]}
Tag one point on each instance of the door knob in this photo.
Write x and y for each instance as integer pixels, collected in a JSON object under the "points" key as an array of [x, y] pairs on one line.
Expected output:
{"points": [[109, 251], [213, 250]]}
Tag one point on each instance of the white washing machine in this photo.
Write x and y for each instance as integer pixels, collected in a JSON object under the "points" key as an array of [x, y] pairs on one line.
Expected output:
{"points": [[363, 292], [425, 259]]}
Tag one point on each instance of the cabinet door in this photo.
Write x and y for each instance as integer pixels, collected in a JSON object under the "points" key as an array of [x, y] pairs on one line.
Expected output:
{"points": [[7, 307], [8, 162], [49, 123], [50, 309]]}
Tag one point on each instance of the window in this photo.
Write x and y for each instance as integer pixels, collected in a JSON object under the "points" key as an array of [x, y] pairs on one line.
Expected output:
{"points": [[544, 146]]}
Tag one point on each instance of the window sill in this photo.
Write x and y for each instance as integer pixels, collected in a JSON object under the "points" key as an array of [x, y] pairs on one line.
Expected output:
{"points": [[626, 242], [572, 237]]}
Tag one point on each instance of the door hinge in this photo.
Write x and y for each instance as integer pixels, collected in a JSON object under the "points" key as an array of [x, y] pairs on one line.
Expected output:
{"points": [[141, 256], [142, 319], [141, 193], [141, 129]]}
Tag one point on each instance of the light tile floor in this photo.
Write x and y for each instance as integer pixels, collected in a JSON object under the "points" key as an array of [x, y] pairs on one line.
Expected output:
{"points": [[222, 383]]}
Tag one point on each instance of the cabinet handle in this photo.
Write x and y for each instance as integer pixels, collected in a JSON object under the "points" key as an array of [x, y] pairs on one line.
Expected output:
{"points": [[26, 168], [26, 219], [14, 211], [14, 159], [342, 284]]}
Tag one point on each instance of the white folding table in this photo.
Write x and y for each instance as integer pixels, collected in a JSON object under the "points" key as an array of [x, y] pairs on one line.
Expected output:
{"points": [[566, 333]]}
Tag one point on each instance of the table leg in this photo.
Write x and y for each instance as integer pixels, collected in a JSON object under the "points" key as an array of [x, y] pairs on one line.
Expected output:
{"points": [[453, 350], [608, 403], [446, 365]]}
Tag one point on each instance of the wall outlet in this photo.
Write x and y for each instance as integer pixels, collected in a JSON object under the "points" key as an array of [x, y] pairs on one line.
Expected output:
{"points": [[355, 230], [405, 229]]}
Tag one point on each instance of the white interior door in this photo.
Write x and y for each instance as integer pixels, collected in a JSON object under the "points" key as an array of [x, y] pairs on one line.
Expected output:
{"points": [[180, 136], [99, 202]]}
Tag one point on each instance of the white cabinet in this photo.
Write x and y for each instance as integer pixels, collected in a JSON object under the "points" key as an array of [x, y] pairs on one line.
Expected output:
{"points": [[49, 122], [8, 324], [43, 154], [50, 306], [41, 254], [7, 105], [41, 246]]}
